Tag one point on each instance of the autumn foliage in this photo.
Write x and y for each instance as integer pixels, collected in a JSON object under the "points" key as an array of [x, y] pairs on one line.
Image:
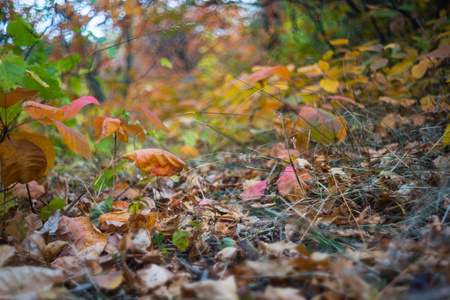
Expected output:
{"points": [[224, 150]]}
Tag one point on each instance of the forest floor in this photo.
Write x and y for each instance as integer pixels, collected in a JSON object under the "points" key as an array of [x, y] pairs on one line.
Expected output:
{"points": [[351, 223]]}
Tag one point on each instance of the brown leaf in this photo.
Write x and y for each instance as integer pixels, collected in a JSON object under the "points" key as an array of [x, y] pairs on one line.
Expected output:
{"points": [[83, 234], [156, 162], [109, 281], [15, 96], [42, 142], [36, 190], [6, 252], [26, 282], [22, 161]]}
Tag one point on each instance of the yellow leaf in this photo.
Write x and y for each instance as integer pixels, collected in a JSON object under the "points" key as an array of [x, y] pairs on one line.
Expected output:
{"points": [[329, 85], [324, 66], [338, 42], [420, 69], [446, 137]]}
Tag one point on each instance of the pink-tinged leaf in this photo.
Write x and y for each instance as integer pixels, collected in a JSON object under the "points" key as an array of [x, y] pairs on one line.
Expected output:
{"points": [[347, 99], [73, 139], [15, 96], [321, 125], [441, 52], [255, 192], [70, 111], [41, 111], [205, 202], [152, 117], [289, 186], [281, 71], [156, 162]]}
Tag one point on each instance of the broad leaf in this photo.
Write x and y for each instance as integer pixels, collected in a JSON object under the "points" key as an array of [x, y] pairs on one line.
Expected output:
{"points": [[135, 130], [156, 162], [40, 111], [43, 143], [6, 203], [289, 186], [152, 117], [321, 125], [71, 111], [255, 192], [12, 72], [83, 234], [281, 71], [74, 140], [22, 161], [22, 33], [54, 205], [14, 96], [181, 240]]}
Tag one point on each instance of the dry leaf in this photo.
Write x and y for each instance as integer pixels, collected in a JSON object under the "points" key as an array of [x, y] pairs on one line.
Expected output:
{"points": [[212, 290], [156, 162]]}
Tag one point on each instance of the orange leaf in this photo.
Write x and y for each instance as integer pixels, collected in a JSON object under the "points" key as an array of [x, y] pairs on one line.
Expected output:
{"points": [[43, 143], [122, 134], [15, 96], [40, 111], [151, 116], [135, 130], [156, 162], [77, 105], [22, 161], [73, 139], [83, 234], [98, 125], [321, 125], [288, 184], [281, 71]]}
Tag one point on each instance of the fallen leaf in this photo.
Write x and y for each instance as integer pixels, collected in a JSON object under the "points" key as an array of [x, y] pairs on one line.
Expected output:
{"points": [[156, 162], [289, 186], [27, 281], [109, 281], [211, 290], [83, 234], [255, 192], [36, 190], [6, 252], [281, 71], [153, 277]]}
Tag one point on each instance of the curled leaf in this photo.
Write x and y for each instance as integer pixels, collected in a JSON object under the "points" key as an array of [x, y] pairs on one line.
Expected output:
{"points": [[156, 162]]}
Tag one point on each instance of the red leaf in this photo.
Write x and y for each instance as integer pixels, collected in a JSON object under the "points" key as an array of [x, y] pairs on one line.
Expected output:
{"points": [[255, 192], [77, 105], [288, 183]]}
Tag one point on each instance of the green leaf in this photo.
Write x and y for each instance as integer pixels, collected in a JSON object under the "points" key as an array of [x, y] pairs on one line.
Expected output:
{"points": [[39, 79], [385, 13], [196, 224], [66, 64], [134, 207], [54, 205], [112, 51], [158, 238], [175, 178], [166, 63], [22, 33], [227, 242], [11, 112], [446, 137], [181, 240], [12, 72], [6, 202], [102, 207], [103, 181]]}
